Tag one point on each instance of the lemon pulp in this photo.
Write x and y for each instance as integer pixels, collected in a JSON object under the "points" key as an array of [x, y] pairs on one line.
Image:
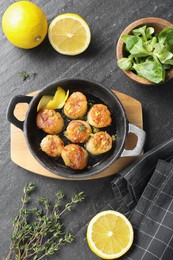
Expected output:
{"points": [[109, 234], [69, 34]]}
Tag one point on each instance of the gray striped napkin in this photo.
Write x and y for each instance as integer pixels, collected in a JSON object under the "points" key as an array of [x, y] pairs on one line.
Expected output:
{"points": [[144, 193]]}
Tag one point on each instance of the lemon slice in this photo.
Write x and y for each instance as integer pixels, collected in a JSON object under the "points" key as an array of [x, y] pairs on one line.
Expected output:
{"points": [[59, 99], [69, 34], [43, 102], [109, 234]]}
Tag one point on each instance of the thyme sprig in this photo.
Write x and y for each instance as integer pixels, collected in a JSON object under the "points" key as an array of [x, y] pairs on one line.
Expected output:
{"points": [[25, 75], [39, 232]]}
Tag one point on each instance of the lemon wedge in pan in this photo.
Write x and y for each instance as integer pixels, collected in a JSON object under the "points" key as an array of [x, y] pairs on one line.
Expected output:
{"points": [[53, 102], [43, 102], [59, 99], [63, 102]]}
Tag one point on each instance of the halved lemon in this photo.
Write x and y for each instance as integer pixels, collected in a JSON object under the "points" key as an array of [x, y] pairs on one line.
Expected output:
{"points": [[69, 34], [109, 234]]}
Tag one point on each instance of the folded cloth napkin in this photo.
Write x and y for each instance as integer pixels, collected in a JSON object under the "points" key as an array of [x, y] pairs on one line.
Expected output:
{"points": [[144, 193]]}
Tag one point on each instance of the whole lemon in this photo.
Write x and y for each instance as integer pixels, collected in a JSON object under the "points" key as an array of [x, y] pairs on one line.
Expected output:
{"points": [[24, 24]]}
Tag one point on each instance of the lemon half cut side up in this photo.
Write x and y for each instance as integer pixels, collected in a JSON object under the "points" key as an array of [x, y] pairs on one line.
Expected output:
{"points": [[110, 234], [69, 34]]}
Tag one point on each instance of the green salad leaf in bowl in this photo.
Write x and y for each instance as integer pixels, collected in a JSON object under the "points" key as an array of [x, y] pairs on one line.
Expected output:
{"points": [[148, 54], [144, 51]]}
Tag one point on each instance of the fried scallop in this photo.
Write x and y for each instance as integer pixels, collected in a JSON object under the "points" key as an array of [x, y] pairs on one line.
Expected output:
{"points": [[99, 143], [50, 121], [78, 131], [99, 116], [75, 156], [52, 145], [76, 105]]}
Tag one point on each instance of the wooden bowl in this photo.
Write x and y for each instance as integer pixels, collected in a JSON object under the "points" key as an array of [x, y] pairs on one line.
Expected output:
{"points": [[158, 24]]}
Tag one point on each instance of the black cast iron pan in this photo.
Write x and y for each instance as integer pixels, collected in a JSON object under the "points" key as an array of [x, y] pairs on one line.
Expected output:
{"points": [[95, 93]]}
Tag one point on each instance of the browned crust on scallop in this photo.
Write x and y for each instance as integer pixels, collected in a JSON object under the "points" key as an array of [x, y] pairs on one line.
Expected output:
{"points": [[99, 116], [52, 145], [75, 156], [76, 105], [50, 121], [78, 131], [99, 143]]}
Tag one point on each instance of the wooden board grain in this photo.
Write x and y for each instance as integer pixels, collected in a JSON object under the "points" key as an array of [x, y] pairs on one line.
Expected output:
{"points": [[21, 155]]}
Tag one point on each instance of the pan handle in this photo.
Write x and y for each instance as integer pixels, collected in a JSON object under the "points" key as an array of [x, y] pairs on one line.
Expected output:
{"points": [[141, 135], [10, 110]]}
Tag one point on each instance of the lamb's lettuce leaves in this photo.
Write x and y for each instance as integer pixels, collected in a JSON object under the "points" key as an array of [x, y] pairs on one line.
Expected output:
{"points": [[148, 54], [130, 41], [149, 45], [138, 50], [150, 70], [149, 32], [166, 37], [144, 31], [125, 63], [134, 45], [165, 57]]}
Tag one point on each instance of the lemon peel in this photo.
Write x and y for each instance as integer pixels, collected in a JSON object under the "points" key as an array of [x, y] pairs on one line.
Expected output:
{"points": [[43, 102], [58, 99], [63, 102], [53, 102]]}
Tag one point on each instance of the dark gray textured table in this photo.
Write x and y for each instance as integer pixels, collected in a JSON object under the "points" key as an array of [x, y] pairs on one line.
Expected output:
{"points": [[107, 19]]}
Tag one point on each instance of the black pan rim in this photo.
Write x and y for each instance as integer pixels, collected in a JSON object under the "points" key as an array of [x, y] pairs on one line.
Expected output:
{"points": [[85, 174]]}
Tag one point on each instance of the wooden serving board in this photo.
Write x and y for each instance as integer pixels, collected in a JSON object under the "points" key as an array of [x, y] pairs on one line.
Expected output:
{"points": [[21, 155]]}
